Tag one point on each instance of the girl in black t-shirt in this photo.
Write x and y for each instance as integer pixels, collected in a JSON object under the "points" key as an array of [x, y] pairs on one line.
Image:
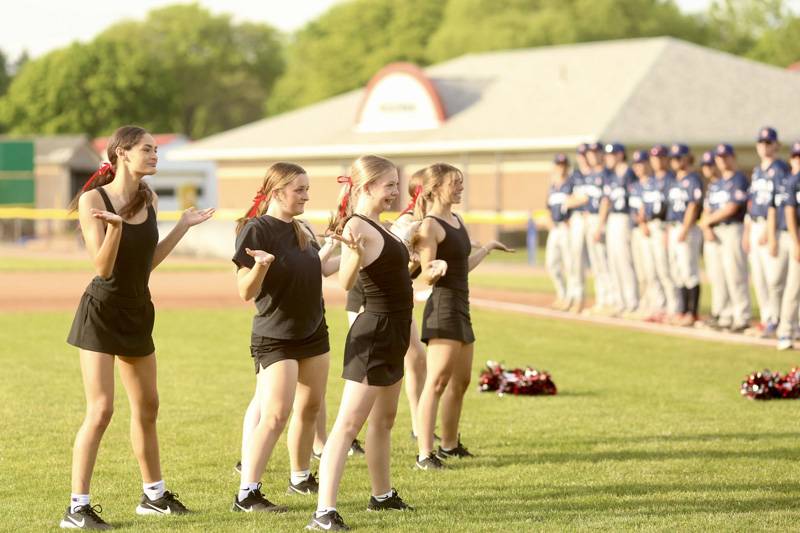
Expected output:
{"points": [[280, 266]]}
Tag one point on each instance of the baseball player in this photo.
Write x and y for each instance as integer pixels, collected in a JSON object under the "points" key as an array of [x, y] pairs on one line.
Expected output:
{"points": [[787, 275], [557, 252]]}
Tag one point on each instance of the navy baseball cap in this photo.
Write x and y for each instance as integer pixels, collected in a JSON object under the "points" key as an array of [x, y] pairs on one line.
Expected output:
{"points": [[678, 150], [767, 134], [724, 149], [595, 147], [615, 148], [659, 150], [582, 148], [707, 159], [795, 148], [640, 156], [560, 159]]}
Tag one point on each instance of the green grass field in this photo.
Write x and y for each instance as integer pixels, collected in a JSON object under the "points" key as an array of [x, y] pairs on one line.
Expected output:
{"points": [[647, 432]]}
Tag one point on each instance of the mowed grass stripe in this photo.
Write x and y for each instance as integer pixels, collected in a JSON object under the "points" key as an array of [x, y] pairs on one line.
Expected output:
{"points": [[647, 432]]}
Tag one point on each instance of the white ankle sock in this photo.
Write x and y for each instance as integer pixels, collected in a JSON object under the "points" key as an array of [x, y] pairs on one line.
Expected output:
{"points": [[422, 457], [299, 476], [154, 490], [323, 510], [384, 497], [77, 500], [245, 488]]}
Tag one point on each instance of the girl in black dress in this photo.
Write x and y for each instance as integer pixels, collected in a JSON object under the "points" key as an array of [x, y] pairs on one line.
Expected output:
{"points": [[446, 322], [114, 321], [376, 342], [280, 265]]}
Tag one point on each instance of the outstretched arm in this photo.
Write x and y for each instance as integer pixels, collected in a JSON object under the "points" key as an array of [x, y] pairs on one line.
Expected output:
{"points": [[190, 217]]}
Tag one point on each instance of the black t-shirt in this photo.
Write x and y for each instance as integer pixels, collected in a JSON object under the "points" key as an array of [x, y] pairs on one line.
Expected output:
{"points": [[290, 302]]}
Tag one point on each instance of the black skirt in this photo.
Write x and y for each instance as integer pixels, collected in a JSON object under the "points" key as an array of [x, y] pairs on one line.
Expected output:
{"points": [[117, 325], [376, 347], [446, 316], [266, 350]]}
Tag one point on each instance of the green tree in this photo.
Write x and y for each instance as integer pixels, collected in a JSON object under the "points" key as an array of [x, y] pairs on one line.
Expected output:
{"points": [[181, 69], [737, 25], [5, 75], [779, 46], [345, 46]]}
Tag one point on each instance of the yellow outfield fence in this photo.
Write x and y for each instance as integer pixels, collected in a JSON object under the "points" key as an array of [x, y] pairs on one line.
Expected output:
{"points": [[471, 217]]}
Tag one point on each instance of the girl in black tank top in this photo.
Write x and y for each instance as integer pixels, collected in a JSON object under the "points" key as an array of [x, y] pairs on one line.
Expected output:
{"points": [[446, 322], [115, 316], [377, 341]]}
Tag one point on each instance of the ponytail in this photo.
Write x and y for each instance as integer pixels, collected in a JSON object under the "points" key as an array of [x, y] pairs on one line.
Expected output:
{"points": [[345, 207]]}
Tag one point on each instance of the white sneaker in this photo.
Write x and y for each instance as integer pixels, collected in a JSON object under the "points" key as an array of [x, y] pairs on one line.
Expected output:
{"points": [[784, 343]]}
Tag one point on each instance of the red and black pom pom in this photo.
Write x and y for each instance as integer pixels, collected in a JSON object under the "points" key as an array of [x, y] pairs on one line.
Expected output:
{"points": [[517, 381], [766, 385]]}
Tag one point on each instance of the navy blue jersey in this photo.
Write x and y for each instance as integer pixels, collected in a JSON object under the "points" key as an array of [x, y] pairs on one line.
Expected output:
{"points": [[731, 190], [787, 189], [577, 179], [762, 188], [684, 191], [654, 196], [556, 197], [593, 184], [616, 189], [634, 198]]}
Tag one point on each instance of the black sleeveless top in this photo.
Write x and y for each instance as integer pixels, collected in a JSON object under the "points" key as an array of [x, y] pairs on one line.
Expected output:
{"points": [[386, 281], [131, 272], [454, 249]]}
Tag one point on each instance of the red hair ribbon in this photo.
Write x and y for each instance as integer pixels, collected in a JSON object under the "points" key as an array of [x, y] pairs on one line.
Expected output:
{"points": [[410, 207], [346, 197], [104, 170], [257, 199]]}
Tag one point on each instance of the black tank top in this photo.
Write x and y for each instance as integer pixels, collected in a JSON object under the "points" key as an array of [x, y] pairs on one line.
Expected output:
{"points": [[387, 284], [454, 249], [131, 272]]}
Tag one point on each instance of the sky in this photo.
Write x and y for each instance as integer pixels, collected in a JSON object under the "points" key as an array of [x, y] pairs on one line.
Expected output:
{"points": [[39, 26]]}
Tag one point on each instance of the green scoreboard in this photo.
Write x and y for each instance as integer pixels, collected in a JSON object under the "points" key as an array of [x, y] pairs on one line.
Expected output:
{"points": [[16, 173]]}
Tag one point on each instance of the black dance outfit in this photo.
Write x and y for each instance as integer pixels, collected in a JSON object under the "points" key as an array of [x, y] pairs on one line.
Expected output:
{"points": [[379, 337], [446, 314], [290, 318], [115, 314]]}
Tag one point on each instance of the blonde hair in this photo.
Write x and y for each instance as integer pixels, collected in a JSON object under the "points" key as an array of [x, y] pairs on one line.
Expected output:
{"points": [[278, 176], [433, 177], [364, 171]]}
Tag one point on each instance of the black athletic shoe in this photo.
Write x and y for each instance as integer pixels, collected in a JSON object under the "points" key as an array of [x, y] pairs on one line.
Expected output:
{"points": [[256, 503], [355, 448], [330, 521], [430, 463], [84, 517], [392, 503], [309, 486], [459, 451], [167, 504], [238, 467]]}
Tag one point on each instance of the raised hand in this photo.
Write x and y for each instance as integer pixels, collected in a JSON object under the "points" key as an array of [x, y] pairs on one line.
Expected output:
{"points": [[497, 245], [436, 269], [356, 245], [260, 256], [108, 217], [193, 216]]}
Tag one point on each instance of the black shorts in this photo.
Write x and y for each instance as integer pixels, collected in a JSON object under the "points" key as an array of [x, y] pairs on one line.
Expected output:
{"points": [[446, 316], [266, 350], [376, 347], [355, 297], [113, 324]]}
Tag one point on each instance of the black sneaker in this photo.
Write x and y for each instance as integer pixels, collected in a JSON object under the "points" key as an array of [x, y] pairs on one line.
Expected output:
{"points": [[355, 448], [256, 503], [238, 467], [330, 521], [84, 517], [392, 503], [167, 504], [309, 486], [430, 463], [459, 451]]}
